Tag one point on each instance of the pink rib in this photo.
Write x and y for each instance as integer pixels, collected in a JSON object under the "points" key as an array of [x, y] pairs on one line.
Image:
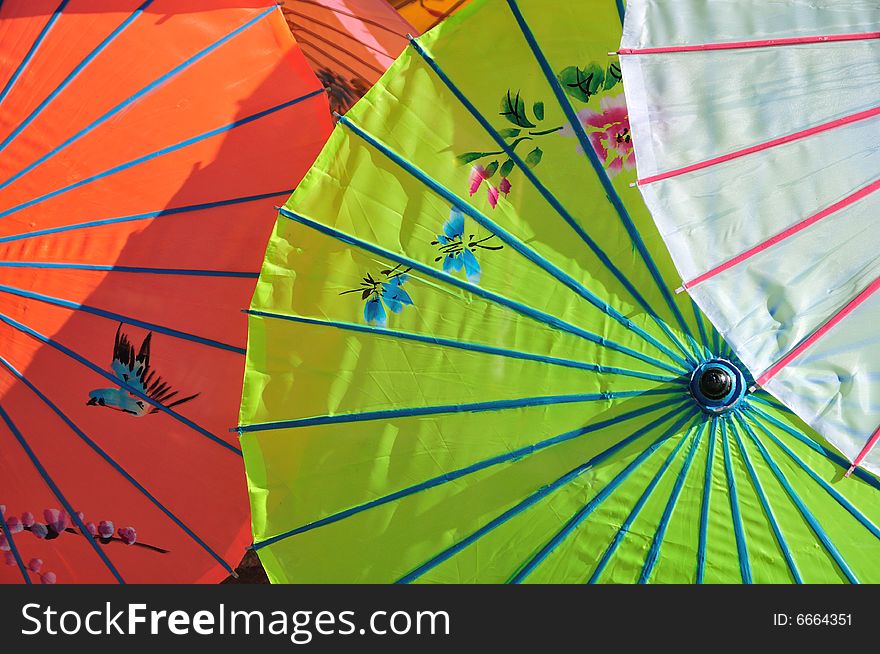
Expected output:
{"points": [[865, 450], [819, 333], [744, 45], [796, 136], [781, 236]]}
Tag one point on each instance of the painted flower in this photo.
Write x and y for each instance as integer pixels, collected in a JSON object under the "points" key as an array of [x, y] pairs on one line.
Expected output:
{"points": [[381, 292], [609, 133], [479, 174], [127, 535], [457, 253], [105, 529], [56, 520]]}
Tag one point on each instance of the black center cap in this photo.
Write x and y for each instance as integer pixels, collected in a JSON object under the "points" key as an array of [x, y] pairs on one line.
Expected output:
{"points": [[715, 383]]}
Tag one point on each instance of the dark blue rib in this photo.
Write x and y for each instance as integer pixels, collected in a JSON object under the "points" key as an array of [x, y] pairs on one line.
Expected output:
{"points": [[586, 511], [741, 549], [550, 198], [620, 10], [73, 74], [464, 345], [159, 153], [771, 517], [117, 317], [840, 499], [514, 455], [474, 407], [58, 494], [7, 532], [764, 397], [97, 448], [802, 508], [704, 509], [637, 508], [531, 500], [716, 342], [834, 457], [116, 380], [134, 98], [509, 239], [51, 265], [599, 169], [535, 314], [660, 534], [33, 50], [144, 216]]}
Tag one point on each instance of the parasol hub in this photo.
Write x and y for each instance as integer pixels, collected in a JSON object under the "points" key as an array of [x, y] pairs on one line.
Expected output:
{"points": [[717, 386]]}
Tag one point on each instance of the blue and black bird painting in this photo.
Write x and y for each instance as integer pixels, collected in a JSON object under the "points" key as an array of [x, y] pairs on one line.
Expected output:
{"points": [[135, 371]]}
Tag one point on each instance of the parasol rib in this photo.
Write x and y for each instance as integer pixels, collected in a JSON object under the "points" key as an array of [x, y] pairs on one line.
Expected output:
{"points": [[742, 551], [760, 43], [704, 508], [465, 345], [7, 533]]}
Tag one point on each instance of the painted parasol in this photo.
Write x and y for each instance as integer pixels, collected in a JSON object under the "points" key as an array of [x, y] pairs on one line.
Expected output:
{"points": [[349, 43], [139, 148], [467, 362], [427, 14], [759, 159]]}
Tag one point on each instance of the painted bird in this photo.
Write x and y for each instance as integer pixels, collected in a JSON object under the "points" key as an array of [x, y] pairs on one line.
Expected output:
{"points": [[134, 370]]}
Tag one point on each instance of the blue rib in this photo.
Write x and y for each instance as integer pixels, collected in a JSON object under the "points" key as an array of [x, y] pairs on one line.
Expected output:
{"points": [[49, 265], [474, 407], [116, 380], [512, 456], [587, 510], [771, 517], [532, 499], [33, 50], [741, 549], [704, 509], [137, 96], [73, 74], [159, 153], [509, 239], [845, 503], [7, 532], [587, 147], [660, 534], [832, 456], [100, 451], [145, 216], [464, 345], [762, 396], [716, 342], [620, 10], [802, 508], [636, 510], [535, 314], [550, 198], [117, 317], [58, 494]]}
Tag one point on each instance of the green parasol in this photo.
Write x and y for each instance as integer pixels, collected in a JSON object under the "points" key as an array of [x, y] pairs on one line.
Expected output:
{"points": [[467, 363]]}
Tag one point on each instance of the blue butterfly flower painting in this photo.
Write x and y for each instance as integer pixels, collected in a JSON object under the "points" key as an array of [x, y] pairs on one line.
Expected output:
{"points": [[383, 292], [457, 253]]}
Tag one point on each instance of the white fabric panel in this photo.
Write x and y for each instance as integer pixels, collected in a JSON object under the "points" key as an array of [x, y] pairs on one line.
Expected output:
{"points": [[659, 23], [686, 108], [835, 385]]}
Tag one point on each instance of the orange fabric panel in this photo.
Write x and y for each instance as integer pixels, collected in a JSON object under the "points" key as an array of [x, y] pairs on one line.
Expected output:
{"points": [[147, 158]]}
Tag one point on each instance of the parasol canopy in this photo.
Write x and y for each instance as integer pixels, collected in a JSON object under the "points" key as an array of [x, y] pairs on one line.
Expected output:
{"points": [[427, 14], [349, 43], [758, 145], [139, 156], [467, 362]]}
